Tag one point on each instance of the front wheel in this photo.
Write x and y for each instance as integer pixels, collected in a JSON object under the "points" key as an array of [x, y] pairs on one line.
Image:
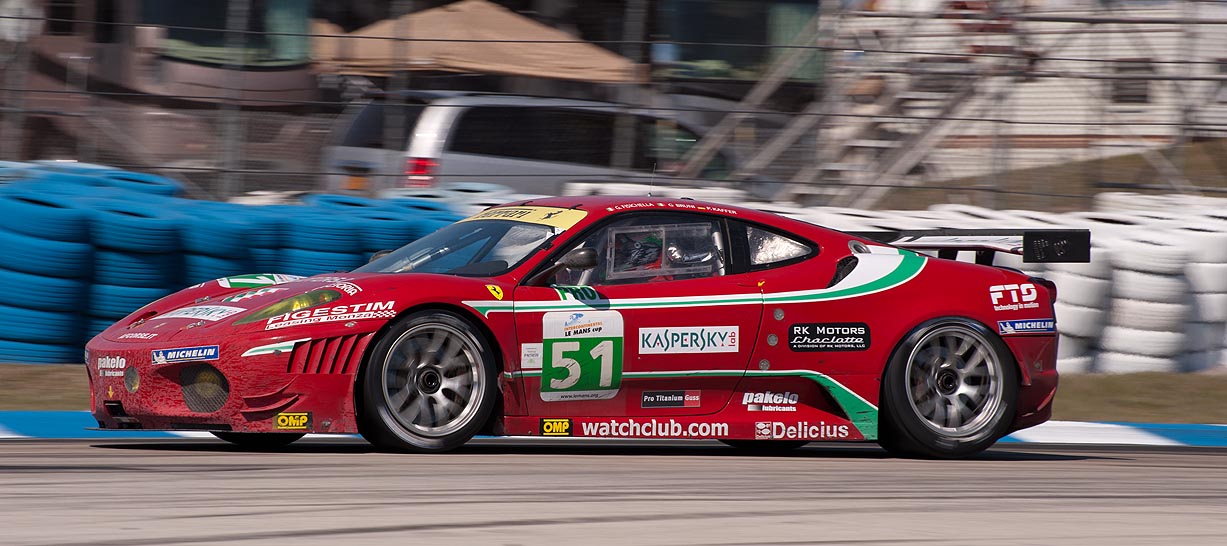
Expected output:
{"points": [[949, 391], [259, 440], [429, 384]]}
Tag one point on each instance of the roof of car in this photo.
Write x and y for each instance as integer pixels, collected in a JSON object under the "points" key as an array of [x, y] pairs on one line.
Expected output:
{"points": [[623, 203]]}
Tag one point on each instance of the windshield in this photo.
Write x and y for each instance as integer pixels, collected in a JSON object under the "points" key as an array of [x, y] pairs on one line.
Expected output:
{"points": [[196, 31], [477, 248]]}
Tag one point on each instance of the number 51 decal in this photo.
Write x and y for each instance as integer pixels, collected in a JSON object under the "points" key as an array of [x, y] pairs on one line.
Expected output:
{"points": [[582, 355]]}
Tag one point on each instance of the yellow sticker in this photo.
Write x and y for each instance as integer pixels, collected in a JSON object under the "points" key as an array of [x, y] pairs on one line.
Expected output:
{"points": [[550, 216], [294, 421], [495, 291], [111, 391]]}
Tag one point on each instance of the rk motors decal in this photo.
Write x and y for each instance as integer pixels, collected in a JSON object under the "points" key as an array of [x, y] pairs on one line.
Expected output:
{"points": [[670, 399], [828, 336], [1012, 297]]}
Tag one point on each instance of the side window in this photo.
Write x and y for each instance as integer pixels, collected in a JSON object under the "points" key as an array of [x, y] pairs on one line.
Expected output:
{"points": [[541, 134], [653, 248], [768, 248]]}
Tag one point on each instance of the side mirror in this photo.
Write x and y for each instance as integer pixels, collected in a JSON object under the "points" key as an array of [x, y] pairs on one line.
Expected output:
{"points": [[577, 259], [580, 259], [378, 255]]}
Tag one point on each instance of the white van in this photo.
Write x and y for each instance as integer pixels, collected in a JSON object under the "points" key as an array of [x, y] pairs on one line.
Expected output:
{"points": [[531, 144]]}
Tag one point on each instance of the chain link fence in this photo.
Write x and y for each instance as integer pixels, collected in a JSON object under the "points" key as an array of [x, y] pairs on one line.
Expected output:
{"points": [[1005, 104]]}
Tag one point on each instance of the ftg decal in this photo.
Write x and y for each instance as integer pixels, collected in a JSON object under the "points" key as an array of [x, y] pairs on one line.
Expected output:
{"points": [[1012, 297], [581, 355]]}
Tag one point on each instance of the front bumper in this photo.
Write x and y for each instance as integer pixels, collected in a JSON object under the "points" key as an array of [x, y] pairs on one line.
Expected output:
{"points": [[292, 385]]}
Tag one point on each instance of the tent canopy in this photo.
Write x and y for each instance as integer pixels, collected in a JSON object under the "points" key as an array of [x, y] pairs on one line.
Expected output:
{"points": [[474, 36]]}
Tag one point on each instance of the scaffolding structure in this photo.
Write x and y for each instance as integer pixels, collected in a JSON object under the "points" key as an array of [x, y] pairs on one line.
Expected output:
{"points": [[1007, 104]]}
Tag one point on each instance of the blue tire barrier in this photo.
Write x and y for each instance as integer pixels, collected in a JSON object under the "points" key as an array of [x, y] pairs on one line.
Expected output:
{"points": [[97, 325], [425, 205], [136, 227], [138, 269], [449, 217], [343, 202], [265, 259], [386, 230], [322, 232], [430, 225], [268, 224], [312, 262], [143, 183], [214, 231], [42, 292], [116, 302], [41, 257], [47, 216], [39, 353], [71, 167], [37, 326], [198, 268]]}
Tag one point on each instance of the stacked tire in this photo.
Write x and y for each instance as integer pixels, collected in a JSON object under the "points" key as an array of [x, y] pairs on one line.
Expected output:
{"points": [[44, 277], [1084, 294], [138, 256], [1206, 328], [1151, 304]]}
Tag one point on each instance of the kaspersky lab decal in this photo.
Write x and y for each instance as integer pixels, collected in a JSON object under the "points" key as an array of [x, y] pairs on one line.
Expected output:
{"points": [[581, 355]]}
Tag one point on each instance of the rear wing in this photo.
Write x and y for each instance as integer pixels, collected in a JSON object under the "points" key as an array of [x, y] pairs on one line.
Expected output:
{"points": [[1035, 245]]}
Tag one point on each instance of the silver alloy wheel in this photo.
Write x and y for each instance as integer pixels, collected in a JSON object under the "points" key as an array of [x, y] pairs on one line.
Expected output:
{"points": [[432, 379], [955, 381]]}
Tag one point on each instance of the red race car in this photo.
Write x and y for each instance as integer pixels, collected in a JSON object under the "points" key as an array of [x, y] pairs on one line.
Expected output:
{"points": [[612, 317]]}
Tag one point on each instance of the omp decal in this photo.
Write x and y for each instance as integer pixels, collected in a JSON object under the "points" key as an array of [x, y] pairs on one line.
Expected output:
{"points": [[1033, 326], [874, 273], [862, 413], [185, 354], [294, 421], [272, 348], [555, 427]]}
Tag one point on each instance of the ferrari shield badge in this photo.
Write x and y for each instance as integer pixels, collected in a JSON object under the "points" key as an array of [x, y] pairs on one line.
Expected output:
{"points": [[495, 291]]}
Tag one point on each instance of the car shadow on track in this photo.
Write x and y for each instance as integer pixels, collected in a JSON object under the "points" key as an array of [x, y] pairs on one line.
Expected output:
{"points": [[599, 448]]}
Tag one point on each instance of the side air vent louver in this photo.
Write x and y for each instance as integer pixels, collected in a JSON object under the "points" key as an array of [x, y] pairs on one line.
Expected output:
{"points": [[842, 268], [341, 355]]}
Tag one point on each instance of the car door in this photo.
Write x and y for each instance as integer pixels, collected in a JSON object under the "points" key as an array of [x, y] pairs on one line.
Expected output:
{"points": [[658, 327]]}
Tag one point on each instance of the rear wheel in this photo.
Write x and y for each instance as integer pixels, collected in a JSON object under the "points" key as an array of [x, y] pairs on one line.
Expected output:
{"points": [[429, 385], [764, 446], [949, 391], [259, 440]]}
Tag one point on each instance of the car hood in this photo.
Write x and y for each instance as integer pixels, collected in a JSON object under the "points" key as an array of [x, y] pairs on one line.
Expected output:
{"points": [[224, 306]]}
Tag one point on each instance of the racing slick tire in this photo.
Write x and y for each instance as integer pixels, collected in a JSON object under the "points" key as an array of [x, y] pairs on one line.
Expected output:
{"points": [[947, 364], [429, 385], [259, 440], [764, 446]]}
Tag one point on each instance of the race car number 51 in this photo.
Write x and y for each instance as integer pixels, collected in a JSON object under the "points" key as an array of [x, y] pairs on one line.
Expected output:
{"points": [[583, 356]]}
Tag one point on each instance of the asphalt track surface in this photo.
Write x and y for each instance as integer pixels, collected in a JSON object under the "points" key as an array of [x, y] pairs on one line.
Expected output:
{"points": [[593, 492]]}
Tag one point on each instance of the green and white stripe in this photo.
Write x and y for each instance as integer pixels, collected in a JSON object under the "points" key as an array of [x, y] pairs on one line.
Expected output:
{"points": [[876, 273], [281, 346]]}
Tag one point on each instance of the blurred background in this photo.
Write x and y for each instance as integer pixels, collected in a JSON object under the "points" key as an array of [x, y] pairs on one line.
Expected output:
{"points": [[1102, 114]]}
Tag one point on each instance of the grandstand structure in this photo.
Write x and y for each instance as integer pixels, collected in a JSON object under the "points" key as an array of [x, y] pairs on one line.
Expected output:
{"points": [[960, 94]]}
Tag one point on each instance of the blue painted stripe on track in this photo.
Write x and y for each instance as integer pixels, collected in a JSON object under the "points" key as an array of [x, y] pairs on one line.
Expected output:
{"points": [[65, 424]]}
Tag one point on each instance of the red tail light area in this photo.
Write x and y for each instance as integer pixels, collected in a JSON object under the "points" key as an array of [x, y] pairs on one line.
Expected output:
{"points": [[420, 172], [1051, 286]]}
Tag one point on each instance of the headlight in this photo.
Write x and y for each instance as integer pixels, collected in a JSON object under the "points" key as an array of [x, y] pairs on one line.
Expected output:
{"points": [[308, 300]]}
